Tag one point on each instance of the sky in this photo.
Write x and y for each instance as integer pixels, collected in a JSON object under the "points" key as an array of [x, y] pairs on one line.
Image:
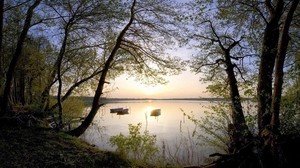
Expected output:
{"points": [[185, 85]]}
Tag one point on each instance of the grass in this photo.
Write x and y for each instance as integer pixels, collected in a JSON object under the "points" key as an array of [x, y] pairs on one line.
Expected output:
{"points": [[41, 147]]}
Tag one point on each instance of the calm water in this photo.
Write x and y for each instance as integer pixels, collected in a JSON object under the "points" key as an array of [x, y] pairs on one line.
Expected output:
{"points": [[172, 127]]}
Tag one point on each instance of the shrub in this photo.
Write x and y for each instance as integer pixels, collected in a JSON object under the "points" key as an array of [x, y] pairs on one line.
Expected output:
{"points": [[139, 147]]}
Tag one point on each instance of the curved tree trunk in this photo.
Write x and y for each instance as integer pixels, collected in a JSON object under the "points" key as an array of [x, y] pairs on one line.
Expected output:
{"points": [[58, 69], [51, 80], [70, 90], [96, 104]]}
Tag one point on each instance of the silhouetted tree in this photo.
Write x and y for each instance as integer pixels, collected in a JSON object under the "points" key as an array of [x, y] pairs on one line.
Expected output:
{"points": [[135, 48]]}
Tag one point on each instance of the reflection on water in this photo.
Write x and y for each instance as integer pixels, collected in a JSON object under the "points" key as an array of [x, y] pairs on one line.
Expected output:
{"points": [[163, 118]]}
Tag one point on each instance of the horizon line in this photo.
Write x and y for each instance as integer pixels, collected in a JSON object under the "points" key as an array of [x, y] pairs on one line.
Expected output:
{"points": [[151, 98]]}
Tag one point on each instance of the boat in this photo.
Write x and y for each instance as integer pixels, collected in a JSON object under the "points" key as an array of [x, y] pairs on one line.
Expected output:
{"points": [[120, 111], [155, 112], [115, 110], [123, 111]]}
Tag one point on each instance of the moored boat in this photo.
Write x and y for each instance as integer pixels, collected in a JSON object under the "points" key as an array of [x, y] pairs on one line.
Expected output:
{"points": [[155, 112], [123, 111], [116, 110]]}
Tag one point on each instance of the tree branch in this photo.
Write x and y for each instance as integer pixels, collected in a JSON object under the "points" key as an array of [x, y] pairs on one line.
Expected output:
{"points": [[17, 5]]}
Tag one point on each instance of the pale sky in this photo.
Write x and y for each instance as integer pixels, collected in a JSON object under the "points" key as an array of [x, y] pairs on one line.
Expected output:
{"points": [[185, 85]]}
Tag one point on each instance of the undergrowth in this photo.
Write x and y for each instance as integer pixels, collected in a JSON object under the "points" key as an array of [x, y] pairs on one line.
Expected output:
{"points": [[40, 147]]}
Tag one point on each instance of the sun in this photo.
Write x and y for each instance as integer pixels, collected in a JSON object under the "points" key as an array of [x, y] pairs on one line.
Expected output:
{"points": [[150, 90]]}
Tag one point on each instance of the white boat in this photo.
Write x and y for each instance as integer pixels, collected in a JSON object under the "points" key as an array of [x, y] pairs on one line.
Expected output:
{"points": [[155, 112]]}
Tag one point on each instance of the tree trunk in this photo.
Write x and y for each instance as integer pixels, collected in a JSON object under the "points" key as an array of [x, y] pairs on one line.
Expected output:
{"points": [[241, 133], [58, 69], [1, 45], [280, 58], [29, 90], [266, 67], [268, 113], [57, 66], [77, 84], [22, 88], [96, 104], [16, 57]]}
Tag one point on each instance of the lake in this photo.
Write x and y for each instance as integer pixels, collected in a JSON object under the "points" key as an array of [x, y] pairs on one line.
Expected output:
{"points": [[172, 128]]}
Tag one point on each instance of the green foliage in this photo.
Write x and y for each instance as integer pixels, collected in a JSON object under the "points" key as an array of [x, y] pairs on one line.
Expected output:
{"points": [[290, 103], [33, 67], [250, 112], [290, 113], [78, 37], [139, 147], [211, 130], [217, 88], [72, 108]]}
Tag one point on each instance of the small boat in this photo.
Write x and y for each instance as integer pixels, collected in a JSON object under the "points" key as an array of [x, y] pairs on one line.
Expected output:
{"points": [[123, 111], [116, 110], [155, 112]]}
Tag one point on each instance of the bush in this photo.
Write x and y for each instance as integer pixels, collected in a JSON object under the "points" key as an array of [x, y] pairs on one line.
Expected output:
{"points": [[72, 108], [139, 147], [212, 129]]}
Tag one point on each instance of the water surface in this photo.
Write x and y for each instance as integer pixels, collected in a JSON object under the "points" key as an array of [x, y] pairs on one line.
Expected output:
{"points": [[170, 127]]}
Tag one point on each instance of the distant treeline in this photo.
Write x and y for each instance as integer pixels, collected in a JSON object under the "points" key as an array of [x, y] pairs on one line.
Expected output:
{"points": [[88, 99]]}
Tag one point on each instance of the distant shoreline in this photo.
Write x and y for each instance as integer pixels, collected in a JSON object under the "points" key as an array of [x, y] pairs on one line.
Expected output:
{"points": [[88, 99], [192, 99], [127, 99]]}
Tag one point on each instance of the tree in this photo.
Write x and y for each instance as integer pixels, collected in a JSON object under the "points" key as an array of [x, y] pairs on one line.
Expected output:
{"points": [[223, 55], [1, 42], [135, 46], [243, 18], [279, 65], [31, 71], [77, 22], [16, 57]]}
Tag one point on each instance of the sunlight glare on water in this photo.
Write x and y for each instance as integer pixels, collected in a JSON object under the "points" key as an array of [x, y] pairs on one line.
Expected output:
{"points": [[168, 127]]}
